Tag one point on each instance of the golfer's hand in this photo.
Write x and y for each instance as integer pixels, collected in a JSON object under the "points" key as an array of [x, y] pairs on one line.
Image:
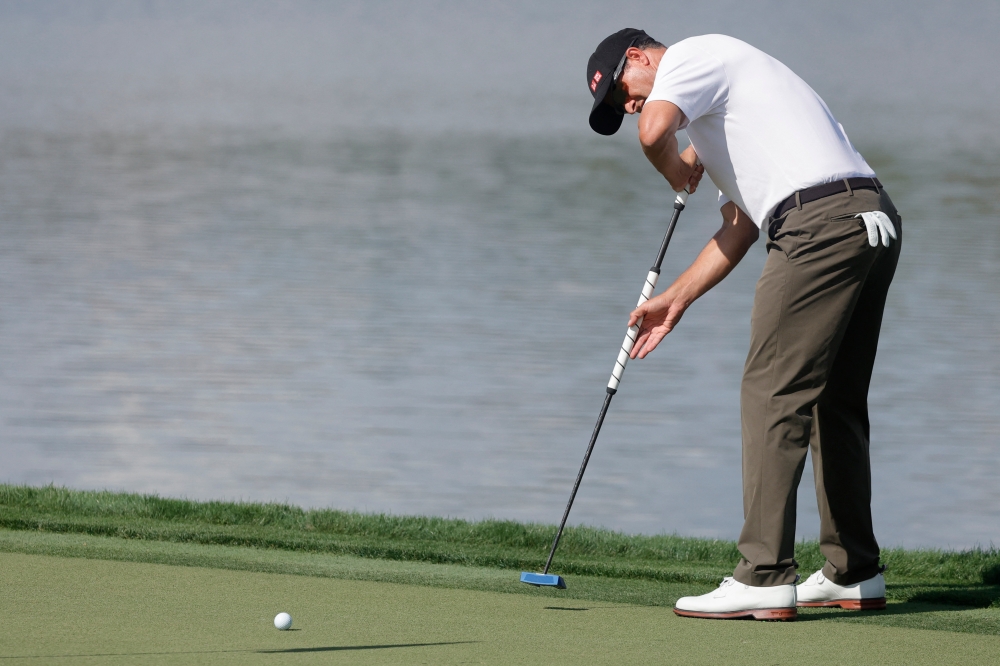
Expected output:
{"points": [[690, 158], [659, 316]]}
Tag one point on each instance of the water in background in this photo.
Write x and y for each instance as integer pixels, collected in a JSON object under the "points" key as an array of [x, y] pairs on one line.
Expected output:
{"points": [[371, 257]]}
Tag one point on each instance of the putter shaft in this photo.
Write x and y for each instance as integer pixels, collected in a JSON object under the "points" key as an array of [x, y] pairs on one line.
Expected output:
{"points": [[620, 362], [579, 477]]}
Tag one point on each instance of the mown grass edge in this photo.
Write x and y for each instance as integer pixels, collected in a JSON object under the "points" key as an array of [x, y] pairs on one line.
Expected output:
{"points": [[966, 578]]}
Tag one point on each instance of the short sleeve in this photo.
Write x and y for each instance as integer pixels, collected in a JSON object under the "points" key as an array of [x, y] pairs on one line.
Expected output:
{"points": [[690, 78], [723, 199]]}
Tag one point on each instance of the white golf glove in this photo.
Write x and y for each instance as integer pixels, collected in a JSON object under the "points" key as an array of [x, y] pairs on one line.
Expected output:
{"points": [[878, 223]]}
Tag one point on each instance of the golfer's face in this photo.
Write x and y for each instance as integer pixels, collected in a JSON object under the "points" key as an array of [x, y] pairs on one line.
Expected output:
{"points": [[625, 95]]}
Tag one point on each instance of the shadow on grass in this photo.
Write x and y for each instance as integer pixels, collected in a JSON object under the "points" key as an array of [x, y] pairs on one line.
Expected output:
{"points": [[912, 607], [332, 648], [589, 608], [339, 648], [950, 595]]}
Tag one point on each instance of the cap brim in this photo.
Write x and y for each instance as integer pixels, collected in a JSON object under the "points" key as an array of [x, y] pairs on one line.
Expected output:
{"points": [[603, 118]]}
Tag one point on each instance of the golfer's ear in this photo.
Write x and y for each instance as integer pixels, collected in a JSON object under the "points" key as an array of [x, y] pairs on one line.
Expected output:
{"points": [[637, 55]]}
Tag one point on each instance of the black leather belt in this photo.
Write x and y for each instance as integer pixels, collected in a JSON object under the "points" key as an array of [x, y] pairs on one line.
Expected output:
{"points": [[825, 190]]}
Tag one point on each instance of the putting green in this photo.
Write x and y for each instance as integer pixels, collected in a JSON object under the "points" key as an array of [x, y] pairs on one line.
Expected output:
{"points": [[73, 610]]}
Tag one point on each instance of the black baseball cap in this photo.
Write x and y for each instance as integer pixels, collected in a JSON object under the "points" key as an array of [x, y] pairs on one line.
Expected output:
{"points": [[604, 118]]}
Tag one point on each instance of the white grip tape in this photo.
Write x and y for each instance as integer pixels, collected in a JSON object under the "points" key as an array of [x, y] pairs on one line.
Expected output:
{"points": [[632, 333], [647, 289]]}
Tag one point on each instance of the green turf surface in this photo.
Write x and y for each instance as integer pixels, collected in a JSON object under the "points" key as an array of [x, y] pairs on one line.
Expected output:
{"points": [[911, 614], [951, 591], [491, 543], [91, 611]]}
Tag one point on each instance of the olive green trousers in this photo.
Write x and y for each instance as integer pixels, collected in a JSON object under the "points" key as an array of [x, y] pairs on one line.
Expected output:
{"points": [[814, 333]]}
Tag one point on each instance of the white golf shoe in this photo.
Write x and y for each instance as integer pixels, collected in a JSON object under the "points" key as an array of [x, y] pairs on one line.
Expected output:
{"points": [[734, 600], [818, 590]]}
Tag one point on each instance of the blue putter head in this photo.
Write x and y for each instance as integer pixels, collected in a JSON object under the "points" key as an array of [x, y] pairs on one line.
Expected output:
{"points": [[543, 580]]}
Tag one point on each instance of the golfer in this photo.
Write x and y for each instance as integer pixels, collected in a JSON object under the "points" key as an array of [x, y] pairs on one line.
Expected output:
{"points": [[785, 168]]}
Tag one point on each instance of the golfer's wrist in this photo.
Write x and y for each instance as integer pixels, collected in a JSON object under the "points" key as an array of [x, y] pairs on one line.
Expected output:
{"points": [[681, 296], [679, 174]]}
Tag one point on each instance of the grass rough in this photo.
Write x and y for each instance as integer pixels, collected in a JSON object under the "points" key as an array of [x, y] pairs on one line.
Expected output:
{"points": [[969, 578]]}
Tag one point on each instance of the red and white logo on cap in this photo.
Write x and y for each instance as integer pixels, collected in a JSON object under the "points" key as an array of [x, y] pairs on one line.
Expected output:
{"points": [[594, 81]]}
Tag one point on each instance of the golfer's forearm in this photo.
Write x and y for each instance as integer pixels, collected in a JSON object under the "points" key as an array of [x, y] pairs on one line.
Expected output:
{"points": [[663, 155], [717, 260], [658, 126], [708, 270]]}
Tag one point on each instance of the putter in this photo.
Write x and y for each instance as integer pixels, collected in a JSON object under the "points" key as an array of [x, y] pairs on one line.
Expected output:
{"points": [[545, 579]]}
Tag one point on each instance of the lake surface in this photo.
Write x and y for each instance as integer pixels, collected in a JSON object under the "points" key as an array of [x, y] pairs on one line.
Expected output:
{"points": [[371, 257]]}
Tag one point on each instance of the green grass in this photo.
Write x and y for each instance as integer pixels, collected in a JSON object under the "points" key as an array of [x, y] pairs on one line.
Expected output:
{"points": [[87, 611], [606, 565]]}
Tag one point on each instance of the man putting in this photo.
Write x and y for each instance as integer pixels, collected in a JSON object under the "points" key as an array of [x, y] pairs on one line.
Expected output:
{"points": [[783, 166]]}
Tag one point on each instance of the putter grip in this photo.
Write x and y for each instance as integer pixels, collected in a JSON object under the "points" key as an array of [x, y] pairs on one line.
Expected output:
{"points": [[633, 332], [682, 196], [647, 291]]}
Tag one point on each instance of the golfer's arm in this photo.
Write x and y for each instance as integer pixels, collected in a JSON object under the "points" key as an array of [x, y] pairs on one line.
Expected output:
{"points": [[658, 124], [720, 256]]}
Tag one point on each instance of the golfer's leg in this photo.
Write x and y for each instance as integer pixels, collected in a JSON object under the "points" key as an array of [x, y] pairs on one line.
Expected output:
{"points": [[840, 435], [772, 465], [811, 281]]}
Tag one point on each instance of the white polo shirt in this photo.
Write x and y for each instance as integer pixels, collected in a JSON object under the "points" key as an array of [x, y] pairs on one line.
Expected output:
{"points": [[761, 132]]}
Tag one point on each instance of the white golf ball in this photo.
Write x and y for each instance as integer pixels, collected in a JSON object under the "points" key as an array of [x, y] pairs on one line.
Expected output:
{"points": [[283, 621]]}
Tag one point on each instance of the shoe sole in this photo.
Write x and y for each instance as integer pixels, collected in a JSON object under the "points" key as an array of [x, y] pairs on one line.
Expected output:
{"points": [[848, 604], [766, 614]]}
